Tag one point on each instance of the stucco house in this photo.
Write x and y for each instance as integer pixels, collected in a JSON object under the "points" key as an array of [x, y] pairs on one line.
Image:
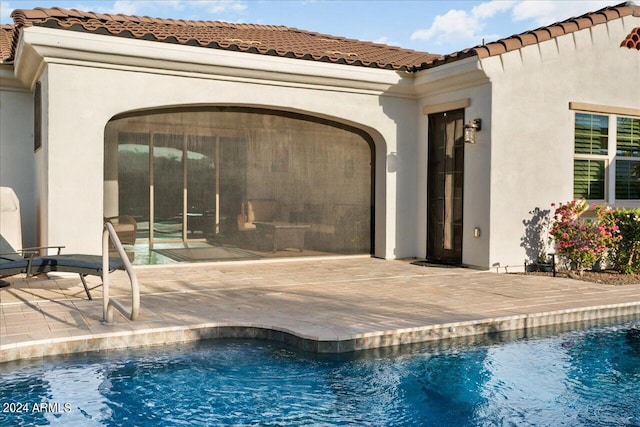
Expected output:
{"points": [[244, 136]]}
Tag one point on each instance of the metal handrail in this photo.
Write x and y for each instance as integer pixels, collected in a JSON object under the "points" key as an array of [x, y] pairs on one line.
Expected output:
{"points": [[109, 303]]}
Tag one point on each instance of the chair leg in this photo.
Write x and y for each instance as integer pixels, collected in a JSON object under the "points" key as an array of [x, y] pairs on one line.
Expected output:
{"points": [[86, 288]]}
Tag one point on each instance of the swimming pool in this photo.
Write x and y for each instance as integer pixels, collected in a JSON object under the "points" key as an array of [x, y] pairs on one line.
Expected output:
{"points": [[590, 377]]}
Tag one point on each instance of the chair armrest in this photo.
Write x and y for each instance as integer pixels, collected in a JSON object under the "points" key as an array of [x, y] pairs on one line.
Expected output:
{"points": [[36, 249]]}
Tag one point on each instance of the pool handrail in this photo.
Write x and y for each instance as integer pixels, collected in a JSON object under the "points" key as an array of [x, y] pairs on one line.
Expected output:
{"points": [[108, 303]]}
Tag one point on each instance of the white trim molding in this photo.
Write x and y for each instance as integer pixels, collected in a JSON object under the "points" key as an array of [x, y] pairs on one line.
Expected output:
{"points": [[604, 109], [446, 106]]}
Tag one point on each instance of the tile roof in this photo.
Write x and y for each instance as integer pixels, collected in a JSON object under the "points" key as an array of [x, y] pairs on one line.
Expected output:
{"points": [[544, 33], [632, 41], [290, 42], [260, 39], [6, 42]]}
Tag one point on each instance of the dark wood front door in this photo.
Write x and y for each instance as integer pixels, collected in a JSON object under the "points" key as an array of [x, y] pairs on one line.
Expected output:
{"points": [[445, 177]]}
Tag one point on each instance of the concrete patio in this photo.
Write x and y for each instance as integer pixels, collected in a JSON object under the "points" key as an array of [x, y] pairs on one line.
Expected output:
{"points": [[323, 305]]}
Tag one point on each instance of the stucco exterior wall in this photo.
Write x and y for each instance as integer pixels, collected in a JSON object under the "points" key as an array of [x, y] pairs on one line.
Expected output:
{"points": [[82, 99], [16, 155], [522, 161], [532, 127]]}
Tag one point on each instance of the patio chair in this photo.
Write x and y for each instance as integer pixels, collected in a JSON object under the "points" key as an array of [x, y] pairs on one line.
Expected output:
{"points": [[13, 261], [10, 222], [83, 265]]}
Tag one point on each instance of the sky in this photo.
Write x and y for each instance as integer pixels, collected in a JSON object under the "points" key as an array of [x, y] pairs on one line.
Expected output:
{"points": [[440, 27]]}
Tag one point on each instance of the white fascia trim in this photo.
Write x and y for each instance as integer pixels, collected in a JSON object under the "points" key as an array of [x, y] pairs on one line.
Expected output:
{"points": [[64, 46], [456, 75], [8, 80]]}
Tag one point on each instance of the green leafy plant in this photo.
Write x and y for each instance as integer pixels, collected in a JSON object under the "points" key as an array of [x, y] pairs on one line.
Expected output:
{"points": [[626, 256]]}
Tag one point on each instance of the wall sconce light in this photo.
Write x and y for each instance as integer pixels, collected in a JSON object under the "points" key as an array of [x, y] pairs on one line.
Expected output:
{"points": [[470, 130]]}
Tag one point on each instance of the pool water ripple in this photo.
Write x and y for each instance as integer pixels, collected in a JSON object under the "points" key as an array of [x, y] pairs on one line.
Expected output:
{"points": [[589, 377]]}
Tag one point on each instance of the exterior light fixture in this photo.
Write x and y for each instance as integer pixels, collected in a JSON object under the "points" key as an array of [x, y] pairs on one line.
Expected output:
{"points": [[470, 130]]}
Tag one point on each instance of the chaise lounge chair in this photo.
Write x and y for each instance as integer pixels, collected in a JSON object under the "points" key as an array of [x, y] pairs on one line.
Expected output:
{"points": [[14, 262], [28, 260], [11, 262]]}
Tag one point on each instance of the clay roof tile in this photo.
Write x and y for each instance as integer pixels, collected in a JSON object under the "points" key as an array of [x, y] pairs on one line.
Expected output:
{"points": [[251, 38], [627, 9], [598, 18], [556, 31], [611, 14], [482, 52], [569, 26], [527, 39], [510, 44], [37, 13], [542, 34], [495, 48], [632, 41], [286, 41], [6, 42], [584, 22]]}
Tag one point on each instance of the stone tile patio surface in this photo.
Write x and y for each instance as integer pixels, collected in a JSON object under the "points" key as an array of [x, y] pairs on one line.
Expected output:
{"points": [[325, 305]]}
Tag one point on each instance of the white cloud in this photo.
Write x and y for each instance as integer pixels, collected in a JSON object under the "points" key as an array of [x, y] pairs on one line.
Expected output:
{"points": [[385, 40], [220, 6], [124, 7], [453, 25], [5, 11], [209, 6], [462, 27], [489, 9], [545, 12]]}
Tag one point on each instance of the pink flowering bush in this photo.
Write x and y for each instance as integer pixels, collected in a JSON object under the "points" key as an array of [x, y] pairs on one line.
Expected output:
{"points": [[580, 240]]}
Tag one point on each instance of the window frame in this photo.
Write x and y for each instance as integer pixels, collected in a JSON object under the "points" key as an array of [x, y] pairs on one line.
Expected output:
{"points": [[610, 158]]}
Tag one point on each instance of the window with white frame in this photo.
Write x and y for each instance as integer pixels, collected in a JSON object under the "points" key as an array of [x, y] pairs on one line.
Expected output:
{"points": [[606, 165]]}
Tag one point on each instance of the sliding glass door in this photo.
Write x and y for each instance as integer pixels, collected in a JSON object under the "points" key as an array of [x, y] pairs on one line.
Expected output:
{"points": [[168, 183]]}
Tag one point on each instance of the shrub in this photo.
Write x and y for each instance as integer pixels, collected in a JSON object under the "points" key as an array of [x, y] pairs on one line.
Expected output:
{"points": [[626, 256], [583, 241]]}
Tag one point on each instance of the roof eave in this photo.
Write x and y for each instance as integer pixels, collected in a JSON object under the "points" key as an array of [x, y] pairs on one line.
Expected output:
{"points": [[8, 79], [54, 46]]}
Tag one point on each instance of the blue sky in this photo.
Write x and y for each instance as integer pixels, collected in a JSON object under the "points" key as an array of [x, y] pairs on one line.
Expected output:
{"points": [[431, 26]]}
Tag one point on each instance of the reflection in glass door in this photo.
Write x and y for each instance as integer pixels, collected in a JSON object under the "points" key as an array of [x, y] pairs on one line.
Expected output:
{"points": [[169, 184], [208, 175], [167, 188], [201, 184]]}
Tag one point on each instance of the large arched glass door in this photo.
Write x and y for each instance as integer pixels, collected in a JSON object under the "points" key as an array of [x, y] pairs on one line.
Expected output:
{"points": [[242, 181]]}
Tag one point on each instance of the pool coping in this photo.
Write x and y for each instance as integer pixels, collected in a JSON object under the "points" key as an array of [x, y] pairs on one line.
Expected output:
{"points": [[521, 324]]}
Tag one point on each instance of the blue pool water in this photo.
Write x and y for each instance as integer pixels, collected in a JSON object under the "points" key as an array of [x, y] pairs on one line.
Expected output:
{"points": [[589, 378]]}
